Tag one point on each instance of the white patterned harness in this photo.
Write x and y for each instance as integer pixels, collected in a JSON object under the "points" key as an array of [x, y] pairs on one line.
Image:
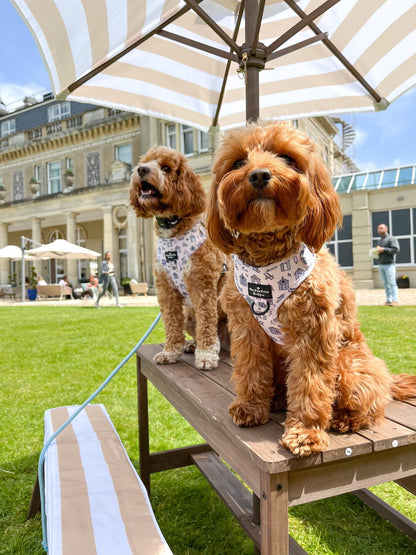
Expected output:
{"points": [[174, 253], [265, 288]]}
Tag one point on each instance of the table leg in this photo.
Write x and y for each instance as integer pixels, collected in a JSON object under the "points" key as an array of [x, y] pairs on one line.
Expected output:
{"points": [[274, 514], [143, 415], [256, 518]]}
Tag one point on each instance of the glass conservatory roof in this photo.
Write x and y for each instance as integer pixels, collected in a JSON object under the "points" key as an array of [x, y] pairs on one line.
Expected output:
{"points": [[375, 179]]}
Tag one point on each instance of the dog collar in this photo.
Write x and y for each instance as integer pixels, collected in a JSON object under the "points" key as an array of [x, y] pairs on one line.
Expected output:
{"points": [[168, 223], [265, 288]]}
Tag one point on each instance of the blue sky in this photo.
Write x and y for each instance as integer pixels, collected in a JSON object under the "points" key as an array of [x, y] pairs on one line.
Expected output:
{"points": [[383, 139]]}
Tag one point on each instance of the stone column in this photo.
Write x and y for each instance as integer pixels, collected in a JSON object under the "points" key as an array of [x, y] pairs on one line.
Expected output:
{"points": [[71, 266], [361, 241], [4, 262], [133, 253], [37, 240]]}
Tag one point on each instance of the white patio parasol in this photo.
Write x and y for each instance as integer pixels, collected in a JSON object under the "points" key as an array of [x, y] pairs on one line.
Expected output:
{"points": [[63, 249], [12, 252], [201, 62]]}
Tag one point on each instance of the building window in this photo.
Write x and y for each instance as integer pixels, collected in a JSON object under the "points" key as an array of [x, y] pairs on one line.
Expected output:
{"points": [[54, 177], [59, 111], [171, 135], [341, 243], [8, 127], [69, 163], [93, 169], [187, 139], [402, 225], [203, 141], [124, 153], [38, 174], [122, 249]]}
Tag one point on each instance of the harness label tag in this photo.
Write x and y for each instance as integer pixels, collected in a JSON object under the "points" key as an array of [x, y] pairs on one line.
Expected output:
{"points": [[171, 256], [260, 291]]}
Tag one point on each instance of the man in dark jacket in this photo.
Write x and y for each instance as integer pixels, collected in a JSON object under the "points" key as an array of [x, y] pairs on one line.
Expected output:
{"points": [[388, 247]]}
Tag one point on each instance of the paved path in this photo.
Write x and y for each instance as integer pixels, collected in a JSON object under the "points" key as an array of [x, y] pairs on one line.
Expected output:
{"points": [[365, 297]]}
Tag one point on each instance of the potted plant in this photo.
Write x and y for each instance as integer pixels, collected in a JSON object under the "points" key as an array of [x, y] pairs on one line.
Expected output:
{"points": [[32, 283], [12, 280], [125, 282]]}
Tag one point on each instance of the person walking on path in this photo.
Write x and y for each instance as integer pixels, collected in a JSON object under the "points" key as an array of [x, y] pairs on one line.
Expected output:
{"points": [[387, 247], [108, 273]]}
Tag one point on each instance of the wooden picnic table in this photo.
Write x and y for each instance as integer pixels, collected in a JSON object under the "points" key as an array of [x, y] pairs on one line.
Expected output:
{"points": [[277, 478]]}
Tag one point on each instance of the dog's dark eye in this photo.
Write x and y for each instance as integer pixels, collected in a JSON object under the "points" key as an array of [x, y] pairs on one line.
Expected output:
{"points": [[166, 169], [238, 164], [291, 162]]}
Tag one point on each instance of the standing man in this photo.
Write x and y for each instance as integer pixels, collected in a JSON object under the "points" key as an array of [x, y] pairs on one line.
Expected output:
{"points": [[388, 247]]}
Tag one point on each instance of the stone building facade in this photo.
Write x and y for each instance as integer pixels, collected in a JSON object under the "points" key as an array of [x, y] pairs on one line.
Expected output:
{"points": [[368, 199], [65, 170]]}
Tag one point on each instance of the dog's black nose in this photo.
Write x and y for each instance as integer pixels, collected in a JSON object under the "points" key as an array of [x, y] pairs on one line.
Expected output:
{"points": [[260, 178], [143, 170]]}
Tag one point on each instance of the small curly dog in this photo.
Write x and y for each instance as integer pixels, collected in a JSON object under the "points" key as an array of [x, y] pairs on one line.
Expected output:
{"points": [[295, 339], [188, 267]]}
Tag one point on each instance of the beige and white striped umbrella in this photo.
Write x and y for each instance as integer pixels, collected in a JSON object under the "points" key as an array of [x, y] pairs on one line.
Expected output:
{"points": [[204, 62]]}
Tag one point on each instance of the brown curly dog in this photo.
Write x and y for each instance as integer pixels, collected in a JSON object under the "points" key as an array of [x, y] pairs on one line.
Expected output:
{"points": [[188, 267], [295, 339]]}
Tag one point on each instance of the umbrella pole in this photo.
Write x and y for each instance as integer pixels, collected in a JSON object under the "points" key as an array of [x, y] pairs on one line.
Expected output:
{"points": [[253, 60]]}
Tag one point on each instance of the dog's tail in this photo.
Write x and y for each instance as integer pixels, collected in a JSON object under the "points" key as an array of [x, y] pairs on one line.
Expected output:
{"points": [[403, 387]]}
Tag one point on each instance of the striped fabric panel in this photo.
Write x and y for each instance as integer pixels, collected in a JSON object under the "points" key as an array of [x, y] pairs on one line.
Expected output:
{"points": [[95, 501], [177, 82]]}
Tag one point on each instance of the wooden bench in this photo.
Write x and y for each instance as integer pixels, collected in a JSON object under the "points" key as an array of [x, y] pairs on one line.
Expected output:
{"points": [[139, 288], [277, 478], [95, 502], [60, 291]]}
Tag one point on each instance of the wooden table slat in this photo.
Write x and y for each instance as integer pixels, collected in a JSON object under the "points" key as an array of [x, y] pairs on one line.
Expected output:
{"points": [[389, 434], [402, 413]]}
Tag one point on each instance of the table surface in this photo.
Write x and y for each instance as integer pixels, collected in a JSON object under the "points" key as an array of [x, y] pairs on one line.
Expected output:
{"points": [[203, 399]]}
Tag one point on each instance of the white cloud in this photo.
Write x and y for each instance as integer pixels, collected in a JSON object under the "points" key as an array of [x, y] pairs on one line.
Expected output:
{"points": [[11, 93]]}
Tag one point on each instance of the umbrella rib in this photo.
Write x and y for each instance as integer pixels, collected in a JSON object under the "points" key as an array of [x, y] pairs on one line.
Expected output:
{"points": [[297, 46], [332, 48], [300, 25], [129, 46], [257, 28], [227, 67], [199, 45], [213, 25]]}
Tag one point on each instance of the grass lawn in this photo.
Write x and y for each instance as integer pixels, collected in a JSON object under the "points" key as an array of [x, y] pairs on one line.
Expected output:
{"points": [[53, 356]]}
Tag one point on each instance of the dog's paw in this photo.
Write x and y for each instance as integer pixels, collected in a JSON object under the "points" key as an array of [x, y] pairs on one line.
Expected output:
{"points": [[166, 357], [207, 359], [246, 412], [190, 346], [303, 441]]}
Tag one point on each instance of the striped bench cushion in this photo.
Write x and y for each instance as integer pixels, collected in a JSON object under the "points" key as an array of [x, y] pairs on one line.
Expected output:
{"points": [[95, 502]]}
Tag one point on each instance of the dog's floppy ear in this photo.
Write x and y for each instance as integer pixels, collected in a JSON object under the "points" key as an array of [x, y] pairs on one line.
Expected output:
{"points": [[324, 212], [217, 232], [196, 198]]}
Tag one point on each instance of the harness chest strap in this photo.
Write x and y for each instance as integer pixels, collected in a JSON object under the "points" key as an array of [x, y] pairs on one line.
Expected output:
{"points": [[265, 288], [175, 252]]}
